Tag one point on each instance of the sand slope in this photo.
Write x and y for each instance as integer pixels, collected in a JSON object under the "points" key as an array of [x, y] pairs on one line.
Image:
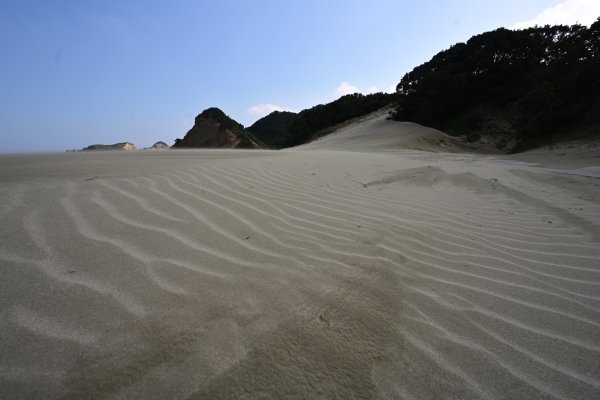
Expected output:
{"points": [[375, 132], [310, 273]]}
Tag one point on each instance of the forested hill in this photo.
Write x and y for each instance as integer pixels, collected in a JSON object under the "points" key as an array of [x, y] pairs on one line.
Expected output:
{"points": [[540, 85], [274, 129]]}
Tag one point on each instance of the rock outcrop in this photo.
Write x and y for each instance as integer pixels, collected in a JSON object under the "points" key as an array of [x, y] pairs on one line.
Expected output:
{"points": [[116, 146], [159, 146], [214, 129]]}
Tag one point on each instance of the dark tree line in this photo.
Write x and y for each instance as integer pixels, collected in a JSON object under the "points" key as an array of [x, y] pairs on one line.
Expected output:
{"points": [[274, 129], [542, 83]]}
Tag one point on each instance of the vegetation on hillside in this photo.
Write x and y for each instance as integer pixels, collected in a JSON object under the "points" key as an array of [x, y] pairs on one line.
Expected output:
{"points": [[286, 129], [540, 84], [312, 122], [274, 129]]}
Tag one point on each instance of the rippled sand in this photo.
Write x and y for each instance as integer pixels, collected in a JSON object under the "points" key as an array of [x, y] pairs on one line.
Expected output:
{"points": [[296, 274]]}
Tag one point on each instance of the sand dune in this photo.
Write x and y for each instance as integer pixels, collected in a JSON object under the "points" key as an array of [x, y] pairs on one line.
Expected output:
{"points": [[354, 267], [376, 133]]}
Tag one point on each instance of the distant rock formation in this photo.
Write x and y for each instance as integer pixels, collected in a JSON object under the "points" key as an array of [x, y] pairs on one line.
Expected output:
{"points": [[159, 146], [212, 128], [116, 146]]}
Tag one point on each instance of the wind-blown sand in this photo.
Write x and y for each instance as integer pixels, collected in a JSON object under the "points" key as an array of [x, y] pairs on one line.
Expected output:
{"points": [[378, 271]]}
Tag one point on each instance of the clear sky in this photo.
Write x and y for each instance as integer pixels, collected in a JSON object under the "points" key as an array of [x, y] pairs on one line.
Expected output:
{"points": [[74, 73]]}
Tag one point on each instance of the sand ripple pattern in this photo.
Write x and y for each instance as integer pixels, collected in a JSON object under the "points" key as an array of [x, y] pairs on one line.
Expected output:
{"points": [[298, 276]]}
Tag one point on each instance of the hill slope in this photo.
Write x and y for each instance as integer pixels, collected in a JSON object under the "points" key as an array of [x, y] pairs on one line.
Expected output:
{"points": [[287, 129], [212, 128], [314, 122], [376, 132]]}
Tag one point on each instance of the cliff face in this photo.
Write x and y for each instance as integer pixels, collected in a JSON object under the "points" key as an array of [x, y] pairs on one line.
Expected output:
{"points": [[213, 129], [116, 146]]}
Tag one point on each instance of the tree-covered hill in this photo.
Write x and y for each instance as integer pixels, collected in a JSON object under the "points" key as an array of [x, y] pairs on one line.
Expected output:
{"points": [[274, 129], [540, 84]]}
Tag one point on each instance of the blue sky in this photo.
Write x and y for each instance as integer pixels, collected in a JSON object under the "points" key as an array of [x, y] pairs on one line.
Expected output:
{"points": [[75, 73]]}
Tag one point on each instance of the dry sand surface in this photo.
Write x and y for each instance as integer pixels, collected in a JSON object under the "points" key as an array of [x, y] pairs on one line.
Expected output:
{"points": [[354, 267]]}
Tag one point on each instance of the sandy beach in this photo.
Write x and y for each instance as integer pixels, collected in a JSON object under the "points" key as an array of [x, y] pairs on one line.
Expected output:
{"points": [[383, 261]]}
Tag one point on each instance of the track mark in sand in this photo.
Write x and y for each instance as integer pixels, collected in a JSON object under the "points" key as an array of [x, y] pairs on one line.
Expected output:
{"points": [[324, 318], [421, 176]]}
